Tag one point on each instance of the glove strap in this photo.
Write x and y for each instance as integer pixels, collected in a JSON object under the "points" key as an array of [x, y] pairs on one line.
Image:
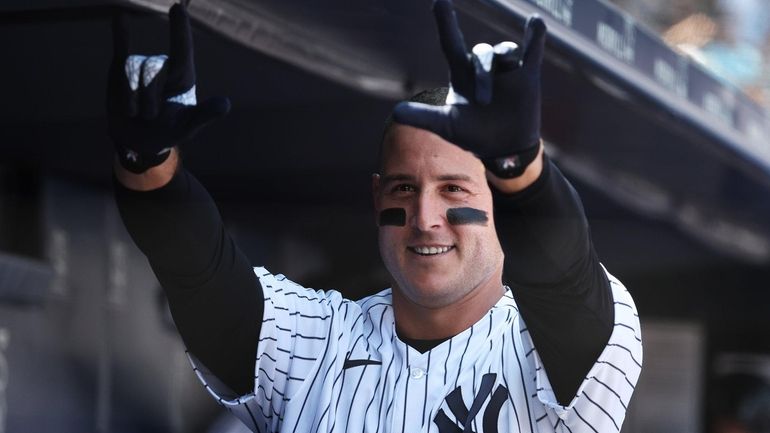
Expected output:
{"points": [[511, 166], [137, 163]]}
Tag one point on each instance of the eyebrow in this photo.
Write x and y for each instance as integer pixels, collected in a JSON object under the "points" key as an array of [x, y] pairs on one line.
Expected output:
{"points": [[444, 177]]}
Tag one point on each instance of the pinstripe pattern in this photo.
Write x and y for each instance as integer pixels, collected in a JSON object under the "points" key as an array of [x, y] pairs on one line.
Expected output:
{"points": [[302, 385]]}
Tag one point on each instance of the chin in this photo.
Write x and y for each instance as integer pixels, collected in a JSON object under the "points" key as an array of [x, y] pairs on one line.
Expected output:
{"points": [[431, 291]]}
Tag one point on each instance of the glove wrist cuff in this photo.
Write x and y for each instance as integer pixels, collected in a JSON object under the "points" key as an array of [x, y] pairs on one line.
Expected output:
{"points": [[511, 166], [138, 163]]}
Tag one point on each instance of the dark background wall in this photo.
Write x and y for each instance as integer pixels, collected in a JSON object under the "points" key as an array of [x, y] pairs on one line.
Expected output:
{"points": [[86, 343]]}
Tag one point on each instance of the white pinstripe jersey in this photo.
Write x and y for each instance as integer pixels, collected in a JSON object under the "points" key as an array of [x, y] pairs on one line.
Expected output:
{"points": [[327, 364]]}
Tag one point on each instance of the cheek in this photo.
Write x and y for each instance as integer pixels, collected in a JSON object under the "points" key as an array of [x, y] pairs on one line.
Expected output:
{"points": [[391, 238]]}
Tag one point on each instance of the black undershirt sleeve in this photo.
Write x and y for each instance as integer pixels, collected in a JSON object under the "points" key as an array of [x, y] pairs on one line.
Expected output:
{"points": [[214, 296], [559, 285]]}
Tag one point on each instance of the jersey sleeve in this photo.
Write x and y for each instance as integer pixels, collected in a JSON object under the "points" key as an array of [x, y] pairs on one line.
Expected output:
{"points": [[602, 398], [304, 337]]}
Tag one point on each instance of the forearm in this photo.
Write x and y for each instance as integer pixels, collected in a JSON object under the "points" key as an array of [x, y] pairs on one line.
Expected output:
{"points": [[214, 296], [555, 274], [543, 229], [176, 224]]}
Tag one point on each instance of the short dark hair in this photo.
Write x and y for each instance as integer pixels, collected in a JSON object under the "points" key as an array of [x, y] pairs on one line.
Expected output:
{"points": [[434, 96]]}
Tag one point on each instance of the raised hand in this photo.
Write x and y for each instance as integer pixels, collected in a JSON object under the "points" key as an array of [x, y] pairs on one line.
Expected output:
{"points": [[493, 106], [151, 102]]}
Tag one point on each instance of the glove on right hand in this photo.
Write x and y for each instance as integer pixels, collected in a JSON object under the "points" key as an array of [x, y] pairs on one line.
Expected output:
{"points": [[493, 108], [151, 103]]}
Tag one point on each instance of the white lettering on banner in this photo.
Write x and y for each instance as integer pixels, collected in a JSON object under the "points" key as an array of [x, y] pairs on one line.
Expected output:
{"points": [[559, 9], [671, 78], [617, 44], [719, 106], [755, 141], [5, 339], [755, 131]]}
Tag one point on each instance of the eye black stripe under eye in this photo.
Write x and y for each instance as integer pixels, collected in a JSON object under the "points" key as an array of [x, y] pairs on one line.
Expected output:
{"points": [[395, 216], [466, 215]]}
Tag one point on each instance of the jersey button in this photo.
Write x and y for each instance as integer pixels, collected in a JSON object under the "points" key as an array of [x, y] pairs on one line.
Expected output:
{"points": [[417, 373]]}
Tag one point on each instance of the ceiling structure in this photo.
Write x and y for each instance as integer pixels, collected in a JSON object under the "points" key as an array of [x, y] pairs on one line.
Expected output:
{"points": [[645, 130]]}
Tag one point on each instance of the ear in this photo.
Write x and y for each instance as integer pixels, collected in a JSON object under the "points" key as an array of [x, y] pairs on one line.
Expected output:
{"points": [[376, 192]]}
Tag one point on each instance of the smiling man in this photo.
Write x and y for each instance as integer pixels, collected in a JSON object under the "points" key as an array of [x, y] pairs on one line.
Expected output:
{"points": [[465, 195], [445, 275]]}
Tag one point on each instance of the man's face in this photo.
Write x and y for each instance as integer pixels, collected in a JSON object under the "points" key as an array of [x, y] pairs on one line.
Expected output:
{"points": [[435, 263]]}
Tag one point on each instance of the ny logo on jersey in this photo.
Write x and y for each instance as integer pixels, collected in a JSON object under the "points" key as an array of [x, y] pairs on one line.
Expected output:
{"points": [[465, 416]]}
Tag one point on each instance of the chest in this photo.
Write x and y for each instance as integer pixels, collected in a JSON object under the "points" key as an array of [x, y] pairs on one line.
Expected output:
{"points": [[480, 384]]}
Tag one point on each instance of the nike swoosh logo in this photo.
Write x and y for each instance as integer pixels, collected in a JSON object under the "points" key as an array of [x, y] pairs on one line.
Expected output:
{"points": [[350, 363]]}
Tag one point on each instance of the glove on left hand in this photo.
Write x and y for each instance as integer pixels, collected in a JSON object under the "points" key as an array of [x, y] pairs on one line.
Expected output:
{"points": [[151, 102], [493, 107]]}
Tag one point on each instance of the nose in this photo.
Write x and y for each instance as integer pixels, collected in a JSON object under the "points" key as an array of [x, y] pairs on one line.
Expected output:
{"points": [[429, 212]]}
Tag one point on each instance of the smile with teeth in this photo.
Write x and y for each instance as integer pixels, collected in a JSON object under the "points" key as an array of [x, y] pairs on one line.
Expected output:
{"points": [[430, 251]]}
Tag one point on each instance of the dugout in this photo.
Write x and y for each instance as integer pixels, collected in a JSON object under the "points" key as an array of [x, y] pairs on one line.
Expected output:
{"points": [[673, 167]]}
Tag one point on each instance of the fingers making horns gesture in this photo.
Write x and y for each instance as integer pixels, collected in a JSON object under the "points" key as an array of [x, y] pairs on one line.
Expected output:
{"points": [[493, 106], [151, 100]]}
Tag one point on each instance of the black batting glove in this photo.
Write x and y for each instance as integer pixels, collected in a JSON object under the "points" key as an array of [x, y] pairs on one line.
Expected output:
{"points": [[493, 106], [151, 103]]}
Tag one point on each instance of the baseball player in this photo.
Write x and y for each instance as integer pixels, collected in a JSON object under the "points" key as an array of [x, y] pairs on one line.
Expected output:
{"points": [[465, 194]]}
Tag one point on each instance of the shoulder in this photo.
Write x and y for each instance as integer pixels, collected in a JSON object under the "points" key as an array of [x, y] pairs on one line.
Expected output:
{"points": [[382, 300], [282, 294]]}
